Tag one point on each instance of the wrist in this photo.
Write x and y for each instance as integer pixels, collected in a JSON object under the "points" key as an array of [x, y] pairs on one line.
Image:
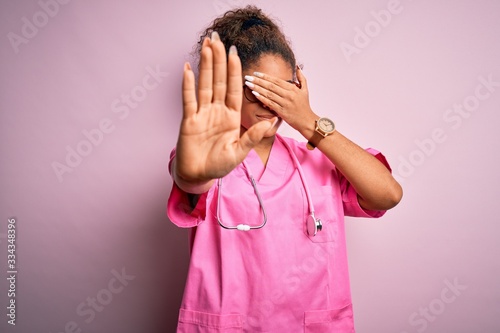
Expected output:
{"points": [[308, 125], [323, 127], [193, 187], [188, 184]]}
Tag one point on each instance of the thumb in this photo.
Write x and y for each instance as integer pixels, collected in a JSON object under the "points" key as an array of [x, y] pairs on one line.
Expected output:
{"points": [[254, 134]]}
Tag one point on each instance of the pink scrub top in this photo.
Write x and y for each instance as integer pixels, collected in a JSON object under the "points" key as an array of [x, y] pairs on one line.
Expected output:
{"points": [[278, 278]]}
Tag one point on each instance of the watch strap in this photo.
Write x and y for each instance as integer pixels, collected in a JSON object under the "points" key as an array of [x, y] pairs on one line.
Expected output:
{"points": [[310, 145], [319, 133]]}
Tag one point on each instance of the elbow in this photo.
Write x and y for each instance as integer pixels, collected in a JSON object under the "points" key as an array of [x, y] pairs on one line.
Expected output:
{"points": [[389, 198], [394, 196]]}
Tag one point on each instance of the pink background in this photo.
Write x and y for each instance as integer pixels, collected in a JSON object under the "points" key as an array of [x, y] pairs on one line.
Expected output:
{"points": [[107, 215]]}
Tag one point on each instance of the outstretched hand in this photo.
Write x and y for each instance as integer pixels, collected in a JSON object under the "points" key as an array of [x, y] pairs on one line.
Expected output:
{"points": [[209, 144]]}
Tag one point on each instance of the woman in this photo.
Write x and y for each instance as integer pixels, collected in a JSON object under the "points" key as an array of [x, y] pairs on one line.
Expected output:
{"points": [[266, 213]]}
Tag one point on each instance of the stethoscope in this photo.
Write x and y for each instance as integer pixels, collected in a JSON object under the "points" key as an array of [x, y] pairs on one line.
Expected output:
{"points": [[313, 224]]}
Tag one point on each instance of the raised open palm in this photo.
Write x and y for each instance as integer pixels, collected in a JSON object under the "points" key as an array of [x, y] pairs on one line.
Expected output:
{"points": [[209, 144]]}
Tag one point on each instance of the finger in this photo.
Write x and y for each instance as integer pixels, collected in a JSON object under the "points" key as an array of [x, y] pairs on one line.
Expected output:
{"points": [[301, 78], [234, 86], [205, 90], [254, 135], [188, 92], [271, 87], [269, 99], [219, 69], [271, 83]]}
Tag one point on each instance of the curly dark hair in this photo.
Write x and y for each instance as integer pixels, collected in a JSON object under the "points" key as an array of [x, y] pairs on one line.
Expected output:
{"points": [[253, 33]]}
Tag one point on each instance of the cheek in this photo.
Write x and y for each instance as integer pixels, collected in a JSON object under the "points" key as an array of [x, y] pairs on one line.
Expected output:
{"points": [[246, 119]]}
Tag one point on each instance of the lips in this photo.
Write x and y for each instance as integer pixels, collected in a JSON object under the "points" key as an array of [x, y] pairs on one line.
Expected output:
{"points": [[267, 115]]}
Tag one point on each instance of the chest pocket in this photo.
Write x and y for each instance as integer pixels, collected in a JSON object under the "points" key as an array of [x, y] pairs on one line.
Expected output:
{"points": [[328, 208]]}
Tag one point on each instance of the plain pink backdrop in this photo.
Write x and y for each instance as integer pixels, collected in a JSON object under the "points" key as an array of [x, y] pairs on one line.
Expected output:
{"points": [[390, 82]]}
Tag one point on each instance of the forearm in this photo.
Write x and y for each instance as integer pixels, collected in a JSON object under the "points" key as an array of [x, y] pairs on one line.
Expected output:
{"points": [[376, 188]]}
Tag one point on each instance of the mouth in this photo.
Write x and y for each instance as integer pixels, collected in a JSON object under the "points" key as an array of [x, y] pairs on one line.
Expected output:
{"points": [[267, 116]]}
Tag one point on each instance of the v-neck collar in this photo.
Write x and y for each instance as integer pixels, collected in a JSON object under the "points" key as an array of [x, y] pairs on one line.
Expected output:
{"points": [[279, 159]]}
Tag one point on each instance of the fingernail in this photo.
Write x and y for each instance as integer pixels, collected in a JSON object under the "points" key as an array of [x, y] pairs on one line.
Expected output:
{"points": [[249, 78], [258, 74], [275, 121], [255, 93], [249, 84], [233, 50], [215, 36]]}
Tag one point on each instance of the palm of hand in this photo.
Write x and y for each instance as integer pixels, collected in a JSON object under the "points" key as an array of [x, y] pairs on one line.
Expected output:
{"points": [[208, 139], [209, 144]]}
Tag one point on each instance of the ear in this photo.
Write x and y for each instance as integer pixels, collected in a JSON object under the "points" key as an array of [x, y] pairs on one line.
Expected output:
{"points": [[301, 78]]}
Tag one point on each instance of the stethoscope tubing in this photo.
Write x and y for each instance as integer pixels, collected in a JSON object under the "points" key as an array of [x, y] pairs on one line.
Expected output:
{"points": [[242, 227], [246, 227], [301, 174]]}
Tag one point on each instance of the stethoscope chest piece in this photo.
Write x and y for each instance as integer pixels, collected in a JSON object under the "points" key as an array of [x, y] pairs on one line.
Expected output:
{"points": [[313, 225]]}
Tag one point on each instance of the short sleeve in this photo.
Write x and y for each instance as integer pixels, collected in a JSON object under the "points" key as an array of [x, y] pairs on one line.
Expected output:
{"points": [[350, 196], [179, 209]]}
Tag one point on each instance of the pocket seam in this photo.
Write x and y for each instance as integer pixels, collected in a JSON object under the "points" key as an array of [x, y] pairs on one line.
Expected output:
{"points": [[341, 313], [210, 320]]}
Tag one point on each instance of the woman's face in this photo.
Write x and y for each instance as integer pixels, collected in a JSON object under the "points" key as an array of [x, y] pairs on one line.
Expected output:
{"points": [[252, 113]]}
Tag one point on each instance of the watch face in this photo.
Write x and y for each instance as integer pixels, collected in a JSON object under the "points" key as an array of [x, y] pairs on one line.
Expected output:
{"points": [[326, 125]]}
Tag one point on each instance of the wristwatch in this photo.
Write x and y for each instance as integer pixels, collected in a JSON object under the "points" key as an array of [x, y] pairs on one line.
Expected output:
{"points": [[323, 128]]}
